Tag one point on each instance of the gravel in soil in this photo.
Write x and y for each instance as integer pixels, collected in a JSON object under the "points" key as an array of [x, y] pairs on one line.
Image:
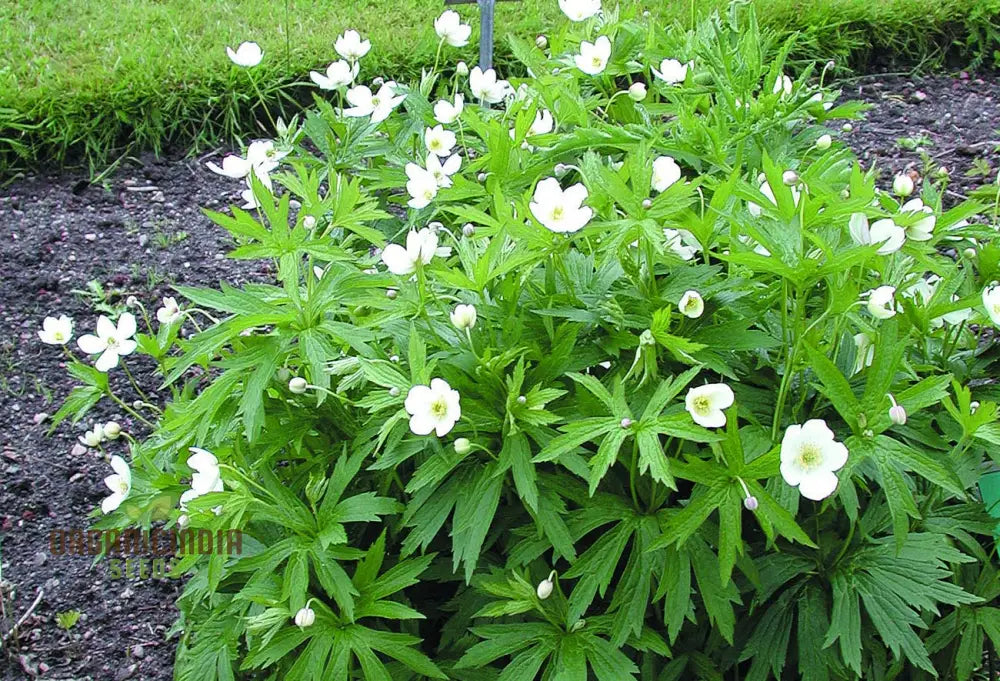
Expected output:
{"points": [[66, 247]]}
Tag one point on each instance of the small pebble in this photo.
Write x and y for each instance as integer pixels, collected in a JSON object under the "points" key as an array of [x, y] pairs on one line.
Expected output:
{"points": [[90, 236], [39, 417]]}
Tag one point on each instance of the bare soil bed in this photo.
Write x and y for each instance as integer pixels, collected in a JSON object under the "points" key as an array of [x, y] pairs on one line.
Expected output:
{"points": [[142, 231]]}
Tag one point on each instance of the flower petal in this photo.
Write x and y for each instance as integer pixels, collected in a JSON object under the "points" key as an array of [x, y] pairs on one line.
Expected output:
{"points": [[818, 485]]}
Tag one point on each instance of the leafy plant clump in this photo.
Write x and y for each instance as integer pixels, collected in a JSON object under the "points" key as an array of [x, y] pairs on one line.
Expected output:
{"points": [[624, 370]]}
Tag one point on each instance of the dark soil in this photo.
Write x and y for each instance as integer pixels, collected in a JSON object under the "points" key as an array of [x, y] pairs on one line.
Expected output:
{"points": [[58, 233], [953, 121]]}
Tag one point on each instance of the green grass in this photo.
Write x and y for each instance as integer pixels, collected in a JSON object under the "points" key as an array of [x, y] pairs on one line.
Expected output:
{"points": [[91, 78]]}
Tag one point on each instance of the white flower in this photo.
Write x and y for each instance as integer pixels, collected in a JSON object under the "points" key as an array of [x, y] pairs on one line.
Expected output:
{"points": [[439, 141], [809, 457], [56, 331], [902, 185], [433, 408], [706, 403], [464, 316], [170, 312], [580, 10], [447, 113], [378, 105], [991, 301], [248, 196], [120, 484], [782, 84], [261, 157], [543, 123], [864, 352], [691, 304], [111, 342], [677, 240], [593, 57], [247, 55], [338, 74], [485, 86], [351, 47], [450, 29], [882, 302], [93, 437], [765, 189], [560, 211], [922, 229], [637, 92], [665, 173], [420, 247], [885, 232], [422, 186], [206, 478], [442, 172], [305, 617], [671, 71]]}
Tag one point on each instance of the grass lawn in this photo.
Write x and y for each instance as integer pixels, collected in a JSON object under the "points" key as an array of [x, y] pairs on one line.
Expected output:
{"points": [[87, 75]]}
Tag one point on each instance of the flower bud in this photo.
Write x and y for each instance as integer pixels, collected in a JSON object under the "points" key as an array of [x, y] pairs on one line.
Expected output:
{"points": [[750, 503], [973, 406], [112, 430], [481, 177], [647, 203], [897, 415], [824, 142], [626, 422], [847, 127], [464, 316], [578, 625], [541, 42], [522, 399], [305, 617], [845, 194], [309, 222], [468, 229], [378, 81], [790, 178], [393, 391], [545, 586], [903, 185], [298, 385], [391, 293], [183, 520], [394, 358], [283, 374], [463, 446], [969, 253], [637, 92], [462, 69], [131, 301], [138, 404]]}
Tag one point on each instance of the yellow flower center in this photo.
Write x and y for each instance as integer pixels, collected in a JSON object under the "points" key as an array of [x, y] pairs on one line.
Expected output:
{"points": [[702, 405], [810, 457], [123, 487], [439, 408], [557, 213]]}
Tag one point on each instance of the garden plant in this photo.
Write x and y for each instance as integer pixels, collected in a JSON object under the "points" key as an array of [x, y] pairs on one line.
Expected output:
{"points": [[620, 369]]}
